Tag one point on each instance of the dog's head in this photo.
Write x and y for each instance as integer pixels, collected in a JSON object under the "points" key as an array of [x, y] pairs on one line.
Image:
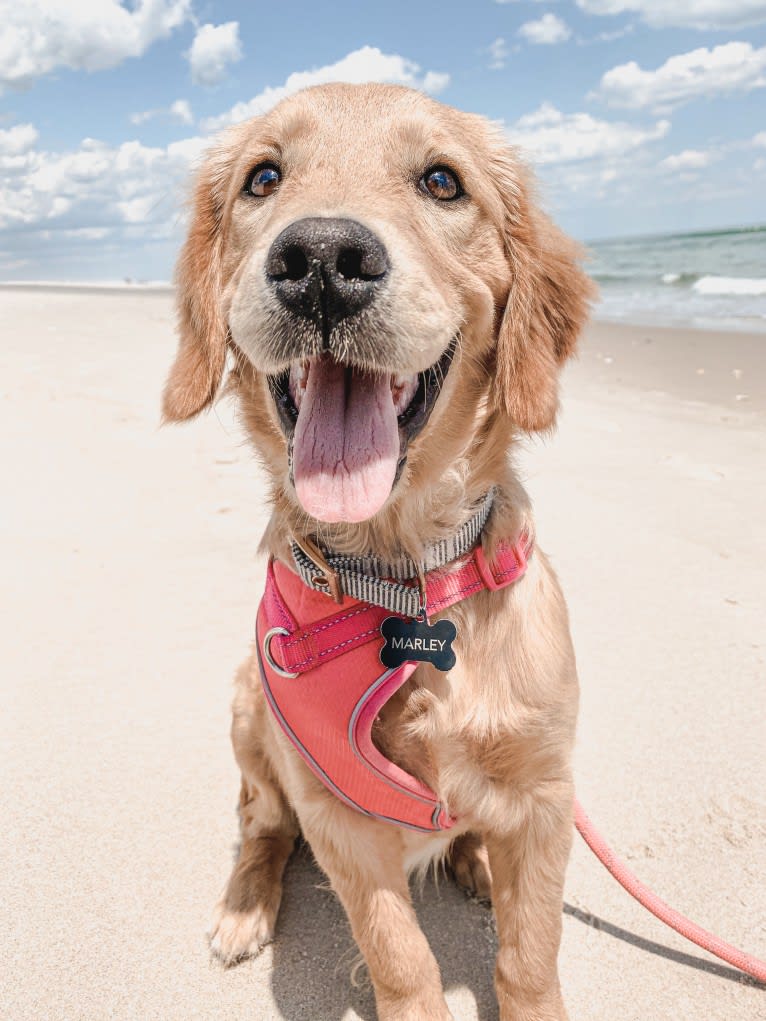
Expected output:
{"points": [[376, 264]]}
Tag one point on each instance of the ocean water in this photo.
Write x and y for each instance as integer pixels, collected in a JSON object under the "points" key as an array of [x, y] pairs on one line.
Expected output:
{"points": [[711, 279]]}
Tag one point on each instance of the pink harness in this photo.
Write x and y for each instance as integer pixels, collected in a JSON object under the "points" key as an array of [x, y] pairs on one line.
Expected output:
{"points": [[325, 683]]}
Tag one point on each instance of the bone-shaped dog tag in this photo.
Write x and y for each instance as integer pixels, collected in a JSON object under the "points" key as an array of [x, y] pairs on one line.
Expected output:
{"points": [[408, 640]]}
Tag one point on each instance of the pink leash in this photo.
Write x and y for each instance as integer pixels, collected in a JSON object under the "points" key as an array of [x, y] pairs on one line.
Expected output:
{"points": [[725, 951]]}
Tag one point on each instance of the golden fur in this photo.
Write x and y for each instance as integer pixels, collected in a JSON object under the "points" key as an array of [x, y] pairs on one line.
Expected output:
{"points": [[493, 737]]}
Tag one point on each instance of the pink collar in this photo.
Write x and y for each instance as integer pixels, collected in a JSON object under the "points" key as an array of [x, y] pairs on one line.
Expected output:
{"points": [[323, 678]]}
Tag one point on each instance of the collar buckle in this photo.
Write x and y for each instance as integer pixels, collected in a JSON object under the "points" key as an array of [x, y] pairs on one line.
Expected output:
{"points": [[326, 579]]}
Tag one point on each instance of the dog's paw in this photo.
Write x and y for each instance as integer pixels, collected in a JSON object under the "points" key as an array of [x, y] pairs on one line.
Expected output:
{"points": [[469, 862], [235, 935]]}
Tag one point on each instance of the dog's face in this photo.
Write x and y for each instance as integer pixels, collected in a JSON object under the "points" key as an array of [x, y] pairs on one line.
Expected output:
{"points": [[374, 261]]}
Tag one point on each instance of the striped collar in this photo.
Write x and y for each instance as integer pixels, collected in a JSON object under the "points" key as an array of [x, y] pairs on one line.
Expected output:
{"points": [[384, 582]]}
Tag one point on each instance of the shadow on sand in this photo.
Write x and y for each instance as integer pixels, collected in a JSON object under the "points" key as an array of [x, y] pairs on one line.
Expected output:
{"points": [[678, 956], [317, 971]]}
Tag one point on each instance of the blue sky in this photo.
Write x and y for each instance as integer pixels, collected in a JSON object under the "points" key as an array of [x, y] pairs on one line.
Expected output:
{"points": [[639, 115]]}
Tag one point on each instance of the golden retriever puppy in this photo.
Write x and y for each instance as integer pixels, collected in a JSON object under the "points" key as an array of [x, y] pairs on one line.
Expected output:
{"points": [[395, 310]]}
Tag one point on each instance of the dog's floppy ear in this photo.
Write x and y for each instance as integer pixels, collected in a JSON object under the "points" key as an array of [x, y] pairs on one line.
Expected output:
{"points": [[196, 373], [547, 303]]}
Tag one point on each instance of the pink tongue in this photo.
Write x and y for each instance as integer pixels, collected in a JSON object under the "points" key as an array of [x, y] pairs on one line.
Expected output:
{"points": [[346, 444]]}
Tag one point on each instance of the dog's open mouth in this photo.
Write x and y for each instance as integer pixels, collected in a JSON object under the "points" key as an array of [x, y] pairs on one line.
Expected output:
{"points": [[349, 430]]}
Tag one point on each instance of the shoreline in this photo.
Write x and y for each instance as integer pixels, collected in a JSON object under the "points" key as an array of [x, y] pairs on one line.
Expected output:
{"points": [[750, 325], [89, 286], [747, 327]]}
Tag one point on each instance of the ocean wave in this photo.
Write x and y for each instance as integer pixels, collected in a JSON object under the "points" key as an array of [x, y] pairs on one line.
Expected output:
{"points": [[680, 279], [713, 285], [632, 277], [691, 235], [708, 276], [647, 278]]}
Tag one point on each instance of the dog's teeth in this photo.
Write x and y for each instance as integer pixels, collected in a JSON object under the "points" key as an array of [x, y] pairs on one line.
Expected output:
{"points": [[299, 372], [403, 389]]}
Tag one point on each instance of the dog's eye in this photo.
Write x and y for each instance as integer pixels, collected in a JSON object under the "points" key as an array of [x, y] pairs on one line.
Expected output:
{"points": [[441, 183], [263, 180]]}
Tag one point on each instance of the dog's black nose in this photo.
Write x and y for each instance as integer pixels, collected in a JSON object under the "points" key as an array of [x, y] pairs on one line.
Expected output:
{"points": [[326, 269]]}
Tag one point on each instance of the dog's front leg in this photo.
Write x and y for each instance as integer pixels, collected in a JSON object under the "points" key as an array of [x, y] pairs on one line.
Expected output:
{"points": [[364, 862], [528, 866]]}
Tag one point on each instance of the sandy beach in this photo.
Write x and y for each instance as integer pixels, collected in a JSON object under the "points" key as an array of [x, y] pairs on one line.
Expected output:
{"points": [[130, 583]]}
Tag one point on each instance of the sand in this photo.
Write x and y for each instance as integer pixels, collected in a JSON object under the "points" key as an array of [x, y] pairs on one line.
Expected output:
{"points": [[130, 586]]}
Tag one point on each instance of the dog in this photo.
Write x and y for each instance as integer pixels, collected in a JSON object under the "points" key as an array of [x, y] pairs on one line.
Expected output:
{"points": [[370, 270]]}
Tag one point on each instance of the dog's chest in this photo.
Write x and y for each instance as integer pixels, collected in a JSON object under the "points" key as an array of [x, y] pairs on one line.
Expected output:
{"points": [[409, 723], [423, 850], [427, 730]]}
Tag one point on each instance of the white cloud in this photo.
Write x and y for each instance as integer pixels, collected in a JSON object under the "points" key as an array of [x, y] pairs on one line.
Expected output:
{"points": [[689, 159], [213, 49], [96, 186], [433, 81], [608, 37], [701, 14], [547, 31], [17, 140], [549, 136], [498, 53], [758, 140], [732, 67], [367, 64], [16, 152], [180, 110], [87, 35]]}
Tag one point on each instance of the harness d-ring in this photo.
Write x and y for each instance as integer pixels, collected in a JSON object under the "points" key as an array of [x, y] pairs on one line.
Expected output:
{"points": [[266, 646]]}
